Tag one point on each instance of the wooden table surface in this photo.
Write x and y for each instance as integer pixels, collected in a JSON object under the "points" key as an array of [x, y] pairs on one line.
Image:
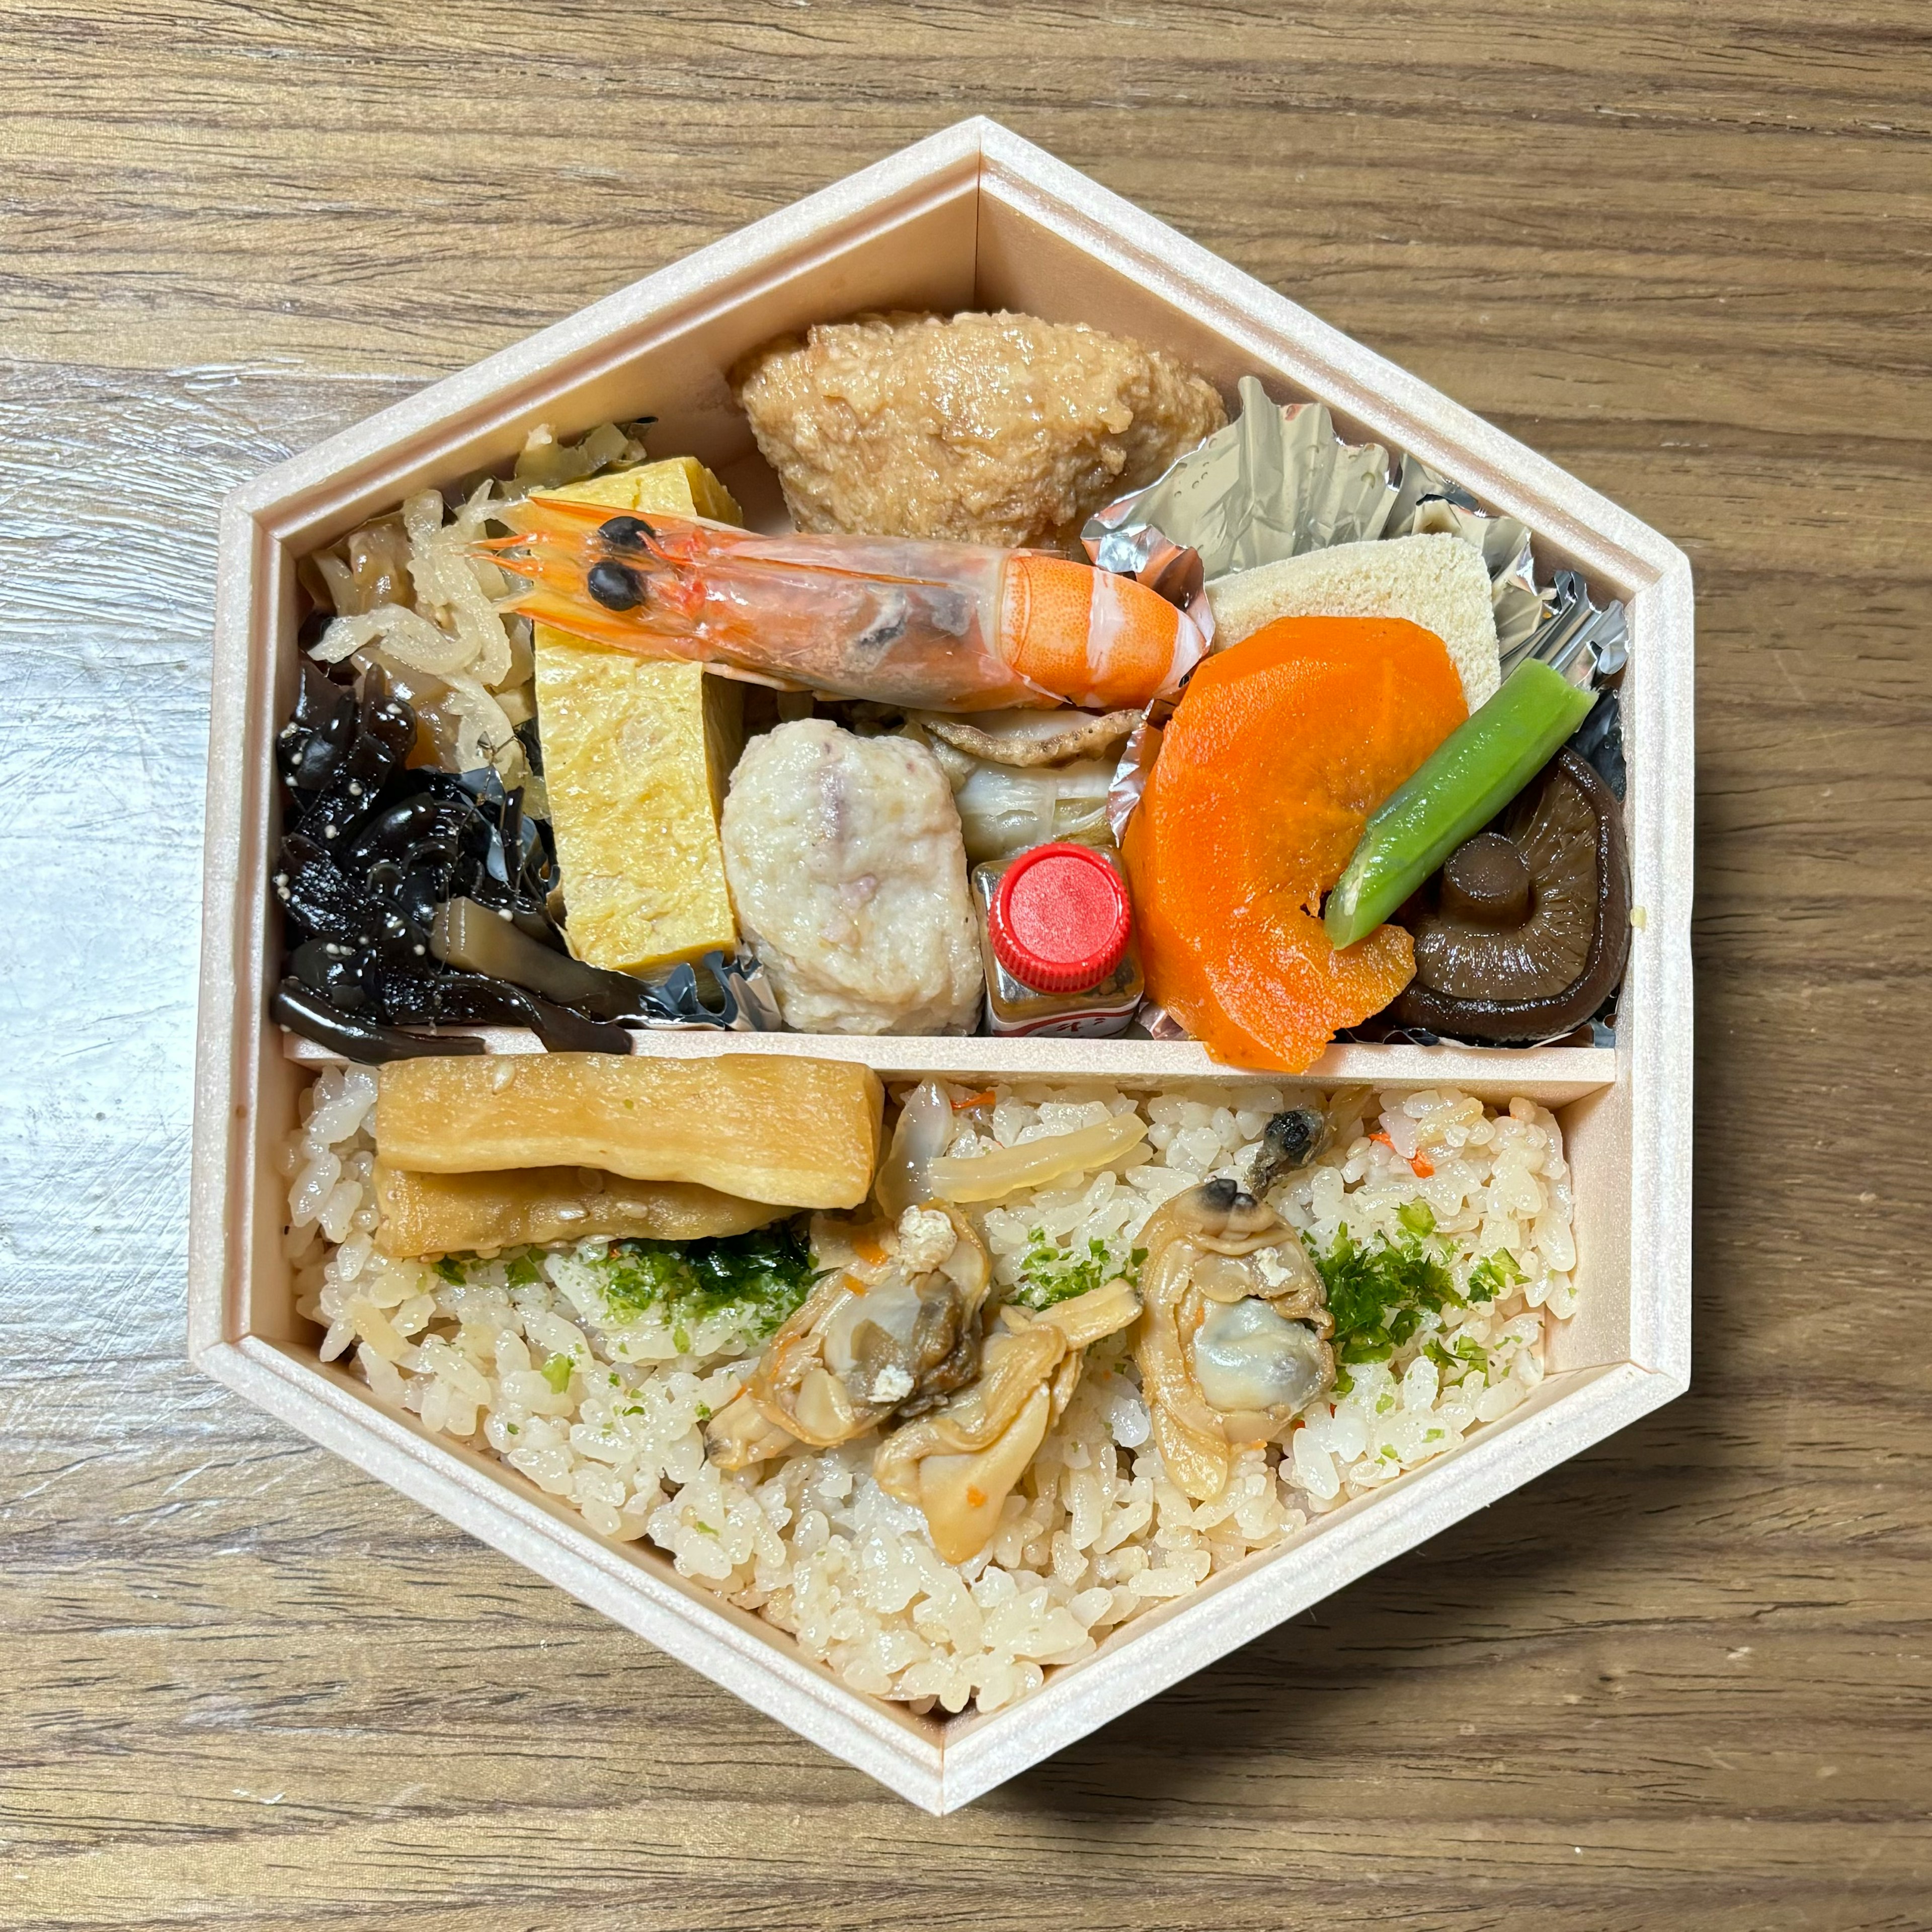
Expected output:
{"points": [[1685, 1682]]}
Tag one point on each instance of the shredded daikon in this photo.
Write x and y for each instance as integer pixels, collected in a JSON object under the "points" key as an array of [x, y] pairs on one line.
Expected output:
{"points": [[455, 632]]}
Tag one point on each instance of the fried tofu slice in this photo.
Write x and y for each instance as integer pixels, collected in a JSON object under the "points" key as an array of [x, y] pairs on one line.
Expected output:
{"points": [[788, 1130], [425, 1215]]}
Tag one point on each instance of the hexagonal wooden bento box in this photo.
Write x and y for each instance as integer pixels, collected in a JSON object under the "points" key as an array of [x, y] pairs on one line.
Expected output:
{"points": [[972, 218]]}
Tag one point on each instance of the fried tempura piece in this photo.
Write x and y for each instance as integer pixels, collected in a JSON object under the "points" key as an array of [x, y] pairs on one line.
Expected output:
{"points": [[993, 429]]}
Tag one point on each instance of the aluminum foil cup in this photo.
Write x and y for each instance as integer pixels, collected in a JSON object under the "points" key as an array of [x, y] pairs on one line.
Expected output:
{"points": [[734, 995], [1279, 481], [1276, 481]]}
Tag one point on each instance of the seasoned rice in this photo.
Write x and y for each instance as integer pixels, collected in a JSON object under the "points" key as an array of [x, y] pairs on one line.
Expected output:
{"points": [[604, 1409]]}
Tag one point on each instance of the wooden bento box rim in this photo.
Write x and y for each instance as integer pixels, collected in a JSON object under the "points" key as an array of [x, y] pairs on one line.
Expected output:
{"points": [[1007, 202]]}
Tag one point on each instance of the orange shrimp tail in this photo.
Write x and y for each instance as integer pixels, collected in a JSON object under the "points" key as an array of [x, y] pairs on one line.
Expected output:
{"points": [[1091, 638]]}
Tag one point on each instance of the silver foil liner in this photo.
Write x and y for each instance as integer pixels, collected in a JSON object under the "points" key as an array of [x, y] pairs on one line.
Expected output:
{"points": [[1279, 481], [1157, 1023], [1128, 785], [1601, 1032], [738, 999], [1585, 644], [1275, 482]]}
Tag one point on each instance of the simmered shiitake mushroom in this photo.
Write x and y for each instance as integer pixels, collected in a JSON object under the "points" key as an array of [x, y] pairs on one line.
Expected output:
{"points": [[1528, 929], [858, 1351], [1233, 1344]]}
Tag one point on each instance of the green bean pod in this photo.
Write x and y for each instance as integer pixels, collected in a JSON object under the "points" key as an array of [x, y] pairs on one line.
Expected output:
{"points": [[1460, 787]]}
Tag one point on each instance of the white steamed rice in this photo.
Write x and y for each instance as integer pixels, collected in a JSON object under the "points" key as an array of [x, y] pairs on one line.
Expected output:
{"points": [[606, 1412]]}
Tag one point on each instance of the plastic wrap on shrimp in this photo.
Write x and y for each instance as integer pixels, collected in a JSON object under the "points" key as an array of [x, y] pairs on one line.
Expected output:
{"points": [[926, 625]]}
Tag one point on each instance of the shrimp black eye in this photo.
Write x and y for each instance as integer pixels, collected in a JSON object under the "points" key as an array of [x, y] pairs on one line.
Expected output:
{"points": [[625, 532], [615, 586]]}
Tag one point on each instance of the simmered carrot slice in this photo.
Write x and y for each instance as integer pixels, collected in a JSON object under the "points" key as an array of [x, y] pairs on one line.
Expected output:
{"points": [[1278, 751]]}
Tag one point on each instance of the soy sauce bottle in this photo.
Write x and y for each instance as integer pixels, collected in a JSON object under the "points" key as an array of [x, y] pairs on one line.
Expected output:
{"points": [[1056, 934]]}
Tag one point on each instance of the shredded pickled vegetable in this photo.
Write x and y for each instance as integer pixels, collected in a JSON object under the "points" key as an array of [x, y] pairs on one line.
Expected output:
{"points": [[463, 667]]}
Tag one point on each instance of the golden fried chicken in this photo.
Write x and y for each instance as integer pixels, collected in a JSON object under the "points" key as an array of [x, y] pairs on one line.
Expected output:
{"points": [[994, 429]]}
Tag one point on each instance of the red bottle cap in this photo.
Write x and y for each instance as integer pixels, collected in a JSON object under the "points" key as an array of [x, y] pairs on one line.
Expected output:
{"points": [[1060, 918]]}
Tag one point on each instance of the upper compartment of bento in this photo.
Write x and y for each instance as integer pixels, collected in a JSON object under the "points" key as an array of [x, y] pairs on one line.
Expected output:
{"points": [[969, 236]]}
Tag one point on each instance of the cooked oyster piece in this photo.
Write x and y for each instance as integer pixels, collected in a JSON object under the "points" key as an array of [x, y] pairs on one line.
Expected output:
{"points": [[959, 1466], [1248, 1357], [1233, 1343], [848, 875], [991, 429], [1030, 738], [860, 1350], [738, 1435]]}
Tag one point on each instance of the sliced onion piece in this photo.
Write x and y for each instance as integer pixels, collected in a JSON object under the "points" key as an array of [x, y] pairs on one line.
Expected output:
{"points": [[484, 735], [991, 1177], [422, 514], [341, 582], [445, 580]]}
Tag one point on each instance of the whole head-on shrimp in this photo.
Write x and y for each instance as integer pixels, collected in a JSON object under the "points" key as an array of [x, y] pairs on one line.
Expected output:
{"points": [[930, 626]]}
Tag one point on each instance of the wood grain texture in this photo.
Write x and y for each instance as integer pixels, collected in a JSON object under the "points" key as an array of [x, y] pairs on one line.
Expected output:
{"points": [[1685, 1681]]}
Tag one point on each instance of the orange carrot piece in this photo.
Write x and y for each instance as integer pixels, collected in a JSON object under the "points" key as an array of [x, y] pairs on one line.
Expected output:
{"points": [[1278, 751], [1418, 1162]]}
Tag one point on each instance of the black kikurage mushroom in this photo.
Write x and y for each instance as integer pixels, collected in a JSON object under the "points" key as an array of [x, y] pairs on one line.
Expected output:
{"points": [[385, 864], [1526, 931]]}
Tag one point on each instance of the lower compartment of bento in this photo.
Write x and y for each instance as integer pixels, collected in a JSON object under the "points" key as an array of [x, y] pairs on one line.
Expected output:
{"points": [[1587, 1358], [638, 1587]]}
